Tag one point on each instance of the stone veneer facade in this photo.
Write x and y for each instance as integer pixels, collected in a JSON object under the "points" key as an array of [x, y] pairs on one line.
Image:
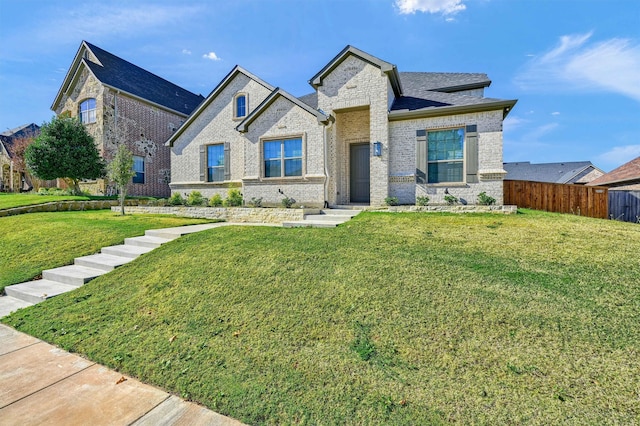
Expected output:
{"points": [[357, 95]]}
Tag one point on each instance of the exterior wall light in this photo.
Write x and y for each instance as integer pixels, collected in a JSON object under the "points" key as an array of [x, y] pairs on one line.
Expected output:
{"points": [[377, 149]]}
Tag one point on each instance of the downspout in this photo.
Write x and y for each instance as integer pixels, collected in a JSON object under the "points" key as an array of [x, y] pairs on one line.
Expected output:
{"points": [[326, 166]]}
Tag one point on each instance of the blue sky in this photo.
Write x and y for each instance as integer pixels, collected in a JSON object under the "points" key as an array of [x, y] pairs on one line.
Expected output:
{"points": [[573, 65]]}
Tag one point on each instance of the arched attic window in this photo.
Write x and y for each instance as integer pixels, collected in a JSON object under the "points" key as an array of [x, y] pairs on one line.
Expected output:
{"points": [[87, 111], [240, 105]]}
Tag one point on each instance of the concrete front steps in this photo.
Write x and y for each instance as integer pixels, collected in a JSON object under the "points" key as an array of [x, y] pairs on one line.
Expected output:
{"points": [[66, 278], [328, 218]]}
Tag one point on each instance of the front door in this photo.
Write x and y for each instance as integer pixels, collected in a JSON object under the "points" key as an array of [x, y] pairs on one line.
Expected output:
{"points": [[359, 173]]}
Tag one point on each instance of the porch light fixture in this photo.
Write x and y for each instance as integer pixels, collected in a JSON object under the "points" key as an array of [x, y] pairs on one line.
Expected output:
{"points": [[377, 149]]}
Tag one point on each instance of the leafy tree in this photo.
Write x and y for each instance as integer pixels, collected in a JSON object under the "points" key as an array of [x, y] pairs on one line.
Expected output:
{"points": [[64, 150], [120, 170]]}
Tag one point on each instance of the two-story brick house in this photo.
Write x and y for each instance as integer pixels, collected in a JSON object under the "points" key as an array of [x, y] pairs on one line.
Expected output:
{"points": [[367, 132], [121, 103]]}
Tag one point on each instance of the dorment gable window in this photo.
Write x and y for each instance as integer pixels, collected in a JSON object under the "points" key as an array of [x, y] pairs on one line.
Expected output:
{"points": [[87, 111], [240, 105]]}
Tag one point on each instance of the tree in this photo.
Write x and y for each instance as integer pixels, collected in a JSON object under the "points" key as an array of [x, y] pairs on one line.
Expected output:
{"points": [[64, 150], [120, 170]]}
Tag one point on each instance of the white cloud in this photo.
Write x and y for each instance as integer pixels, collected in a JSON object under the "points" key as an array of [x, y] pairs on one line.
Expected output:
{"points": [[186, 51], [577, 63], [555, 113], [513, 122], [620, 154], [211, 55], [445, 7]]}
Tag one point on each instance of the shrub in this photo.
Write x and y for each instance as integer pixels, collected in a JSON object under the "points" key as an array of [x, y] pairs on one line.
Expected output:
{"points": [[422, 201], [176, 199], [391, 201], [451, 199], [255, 202], [287, 202], [215, 201], [195, 198], [234, 198], [485, 200]]}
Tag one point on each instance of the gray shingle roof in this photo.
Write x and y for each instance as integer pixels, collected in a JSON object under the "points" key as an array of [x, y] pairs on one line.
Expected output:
{"points": [[311, 99], [546, 172], [123, 75], [9, 136], [442, 81]]}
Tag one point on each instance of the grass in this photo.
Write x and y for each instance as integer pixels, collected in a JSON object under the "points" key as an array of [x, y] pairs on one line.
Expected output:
{"points": [[30, 243], [9, 201], [402, 318]]}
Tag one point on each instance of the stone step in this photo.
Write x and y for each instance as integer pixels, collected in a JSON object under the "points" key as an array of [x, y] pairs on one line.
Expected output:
{"points": [[104, 262], [311, 224], [38, 290], [10, 304], [340, 212], [178, 231], [75, 275], [326, 218], [126, 251], [146, 241]]}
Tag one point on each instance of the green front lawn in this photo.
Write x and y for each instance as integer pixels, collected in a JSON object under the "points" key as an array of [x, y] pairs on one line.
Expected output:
{"points": [[9, 201], [30, 243], [388, 319]]}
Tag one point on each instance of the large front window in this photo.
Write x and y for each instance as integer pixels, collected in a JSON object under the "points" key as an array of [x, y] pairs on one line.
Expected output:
{"points": [[87, 112], [283, 158], [215, 163], [445, 155], [138, 167]]}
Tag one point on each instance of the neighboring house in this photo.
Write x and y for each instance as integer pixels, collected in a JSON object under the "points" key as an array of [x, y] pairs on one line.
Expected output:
{"points": [[12, 176], [575, 172], [122, 103], [625, 177], [367, 132]]}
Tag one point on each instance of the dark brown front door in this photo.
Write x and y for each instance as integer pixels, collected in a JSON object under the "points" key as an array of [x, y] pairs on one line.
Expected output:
{"points": [[359, 173]]}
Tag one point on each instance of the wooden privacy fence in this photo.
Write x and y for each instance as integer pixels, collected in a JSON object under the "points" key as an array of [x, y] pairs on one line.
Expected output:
{"points": [[624, 205], [591, 201]]}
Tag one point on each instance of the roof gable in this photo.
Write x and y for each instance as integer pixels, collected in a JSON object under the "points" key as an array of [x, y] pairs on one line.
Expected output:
{"points": [[277, 93], [122, 75], [386, 67], [213, 95], [628, 172]]}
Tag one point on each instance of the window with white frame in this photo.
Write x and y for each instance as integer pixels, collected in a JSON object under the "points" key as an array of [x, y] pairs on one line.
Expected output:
{"points": [[215, 163], [138, 167], [240, 105], [445, 159], [87, 111], [282, 158]]}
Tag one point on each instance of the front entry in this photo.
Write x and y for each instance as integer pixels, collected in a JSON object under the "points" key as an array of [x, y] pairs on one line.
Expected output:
{"points": [[359, 173]]}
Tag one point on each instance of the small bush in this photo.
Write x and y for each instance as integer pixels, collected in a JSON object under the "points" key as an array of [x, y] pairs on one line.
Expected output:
{"points": [[234, 198], [485, 200], [215, 201], [195, 198], [391, 201], [176, 199], [422, 201], [287, 202], [255, 202], [161, 202], [451, 199]]}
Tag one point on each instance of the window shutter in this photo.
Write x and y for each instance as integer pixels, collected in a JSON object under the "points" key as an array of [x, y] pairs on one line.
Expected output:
{"points": [[203, 163], [227, 161], [421, 156], [472, 154]]}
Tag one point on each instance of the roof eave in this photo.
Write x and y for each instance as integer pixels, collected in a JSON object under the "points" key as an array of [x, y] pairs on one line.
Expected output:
{"points": [[461, 87], [144, 100], [506, 107], [70, 76], [214, 93]]}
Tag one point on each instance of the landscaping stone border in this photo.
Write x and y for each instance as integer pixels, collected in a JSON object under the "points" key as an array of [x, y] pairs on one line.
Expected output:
{"points": [[452, 209], [231, 214], [59, 206]]}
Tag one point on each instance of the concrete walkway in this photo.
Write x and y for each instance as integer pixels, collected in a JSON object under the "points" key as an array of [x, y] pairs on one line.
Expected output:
{"points": [[41, 384]]}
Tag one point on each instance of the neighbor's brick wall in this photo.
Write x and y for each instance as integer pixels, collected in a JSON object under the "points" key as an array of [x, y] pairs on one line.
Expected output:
{"points": [[355, 84], [403, 152], [214, 125], [282, 120]]}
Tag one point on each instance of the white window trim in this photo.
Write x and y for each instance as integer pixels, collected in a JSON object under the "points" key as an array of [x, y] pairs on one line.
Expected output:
{"points": [[95, 111]]}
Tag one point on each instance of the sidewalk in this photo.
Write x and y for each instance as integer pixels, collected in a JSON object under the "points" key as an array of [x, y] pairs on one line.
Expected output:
{"points": [[41, 384]]}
